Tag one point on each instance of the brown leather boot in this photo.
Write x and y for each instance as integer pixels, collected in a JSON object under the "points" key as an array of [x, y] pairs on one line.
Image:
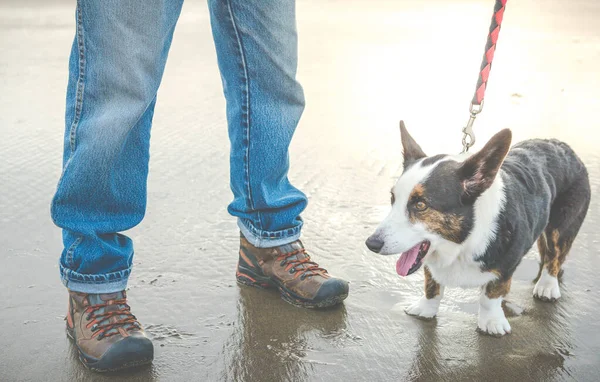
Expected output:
{"points": [[108, 337], [289, 268]]}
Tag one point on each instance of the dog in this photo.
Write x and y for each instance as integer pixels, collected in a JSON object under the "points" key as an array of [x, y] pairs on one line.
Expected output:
{"points": [[470, 219]]}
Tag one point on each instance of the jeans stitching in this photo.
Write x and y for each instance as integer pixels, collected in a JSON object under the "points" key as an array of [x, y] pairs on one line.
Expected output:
{"points": [[270, 234], [113, 277], [245, 109], [71, 250], [78, 103], [80, 79]]}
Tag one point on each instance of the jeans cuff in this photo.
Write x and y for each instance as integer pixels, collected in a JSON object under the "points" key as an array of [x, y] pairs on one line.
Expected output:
{"points": [[87, 283], [267, 239]]}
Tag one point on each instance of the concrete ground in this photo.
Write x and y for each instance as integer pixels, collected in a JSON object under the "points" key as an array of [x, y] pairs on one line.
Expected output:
{"points": [[364, 65]]}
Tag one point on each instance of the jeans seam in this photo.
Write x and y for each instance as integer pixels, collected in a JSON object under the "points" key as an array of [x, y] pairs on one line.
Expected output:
{"points": [[71, 275], [286, 232], [78, 102], [71, 250], [80, 79], [245, 109]]}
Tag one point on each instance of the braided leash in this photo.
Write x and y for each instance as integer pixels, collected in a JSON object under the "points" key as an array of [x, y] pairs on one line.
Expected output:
{"points": [[486, 66]]}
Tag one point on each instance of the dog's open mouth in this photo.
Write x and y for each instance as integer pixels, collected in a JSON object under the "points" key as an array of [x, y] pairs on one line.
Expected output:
{"points": [[412, 259]]}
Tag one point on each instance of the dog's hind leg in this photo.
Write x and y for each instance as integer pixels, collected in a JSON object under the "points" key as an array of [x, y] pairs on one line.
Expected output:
{"points": [[542, 249], [566, 216], [427, 306], [553, 252]]}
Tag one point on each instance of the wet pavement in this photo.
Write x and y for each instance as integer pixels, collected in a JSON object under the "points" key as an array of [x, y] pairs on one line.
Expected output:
{"points": [[364, 65]]}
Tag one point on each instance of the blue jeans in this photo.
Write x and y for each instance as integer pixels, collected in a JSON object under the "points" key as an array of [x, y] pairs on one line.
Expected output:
{"points": [[115, 68]]}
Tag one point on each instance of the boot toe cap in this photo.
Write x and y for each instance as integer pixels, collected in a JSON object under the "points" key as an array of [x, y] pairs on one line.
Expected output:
{"points": [[335, 290], [132, 351]]}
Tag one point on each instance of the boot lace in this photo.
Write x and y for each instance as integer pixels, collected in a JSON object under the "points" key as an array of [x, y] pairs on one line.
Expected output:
{"points": [[301, 267], [101, 323]]}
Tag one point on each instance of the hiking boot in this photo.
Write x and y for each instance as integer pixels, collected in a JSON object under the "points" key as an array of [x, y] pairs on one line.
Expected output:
{"points": [[108, 337], [289, 268]]}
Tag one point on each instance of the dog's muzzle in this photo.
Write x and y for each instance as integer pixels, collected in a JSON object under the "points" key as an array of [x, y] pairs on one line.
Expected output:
{"points": [[374, 243]]}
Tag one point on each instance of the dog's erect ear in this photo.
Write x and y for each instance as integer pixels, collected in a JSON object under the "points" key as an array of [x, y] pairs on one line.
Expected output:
{"points": [[479, 171], [410, 149]]}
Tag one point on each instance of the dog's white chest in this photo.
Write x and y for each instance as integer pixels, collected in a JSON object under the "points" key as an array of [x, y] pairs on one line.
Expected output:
{"points": [[460, 273]]}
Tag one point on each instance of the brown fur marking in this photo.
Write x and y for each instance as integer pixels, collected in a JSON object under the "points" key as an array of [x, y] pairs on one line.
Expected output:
{"points": [[553, 264], [417, 192], [497, 288], [432, 288], [447, 225], [496, 272], [553, 251], [542, 244]]}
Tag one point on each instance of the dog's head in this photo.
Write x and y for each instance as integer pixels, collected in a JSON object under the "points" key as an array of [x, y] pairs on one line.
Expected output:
{"points": [[433, 202]]}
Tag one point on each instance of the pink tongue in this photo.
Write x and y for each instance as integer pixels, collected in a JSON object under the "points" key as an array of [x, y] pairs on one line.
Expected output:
{"points": [[407, 259]]}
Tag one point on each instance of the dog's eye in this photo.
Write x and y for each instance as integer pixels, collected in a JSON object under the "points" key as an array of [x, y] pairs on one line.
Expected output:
{"points": [[421, 206]]}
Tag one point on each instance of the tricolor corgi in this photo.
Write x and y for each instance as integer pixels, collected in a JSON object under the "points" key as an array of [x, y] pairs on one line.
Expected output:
{"points": [[470, 219]]}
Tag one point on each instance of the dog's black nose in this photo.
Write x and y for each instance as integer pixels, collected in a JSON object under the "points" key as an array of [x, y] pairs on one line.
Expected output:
{"points": [[374, 243]]}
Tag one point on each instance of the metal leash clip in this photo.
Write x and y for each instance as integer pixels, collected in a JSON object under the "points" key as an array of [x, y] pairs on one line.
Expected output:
{"points": [[468, 130]]}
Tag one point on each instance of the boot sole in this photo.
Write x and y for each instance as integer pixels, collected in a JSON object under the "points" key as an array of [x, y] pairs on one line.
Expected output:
{"points": [[249, 278], [97, 366]]}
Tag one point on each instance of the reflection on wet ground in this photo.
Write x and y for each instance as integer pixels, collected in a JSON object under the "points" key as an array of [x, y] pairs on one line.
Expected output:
{"points": [[364, 65]]}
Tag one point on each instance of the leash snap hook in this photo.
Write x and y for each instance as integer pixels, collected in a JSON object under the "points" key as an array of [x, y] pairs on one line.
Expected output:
{"points": [[468, 134]]}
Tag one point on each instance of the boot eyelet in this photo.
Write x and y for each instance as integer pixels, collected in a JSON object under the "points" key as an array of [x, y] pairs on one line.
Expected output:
{"points": [[94, 327], [282, 263], [88, 317], [293, 270], [302, 277]]}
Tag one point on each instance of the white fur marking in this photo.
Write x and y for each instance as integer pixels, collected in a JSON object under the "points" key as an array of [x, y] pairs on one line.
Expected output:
{"points": [[397, 232], [491, 318], [547, 287], [463, 272], [426, 308], [487, 209]]}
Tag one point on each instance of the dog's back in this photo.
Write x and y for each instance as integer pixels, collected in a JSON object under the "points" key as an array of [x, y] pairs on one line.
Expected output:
{"points": [[548, 159]]}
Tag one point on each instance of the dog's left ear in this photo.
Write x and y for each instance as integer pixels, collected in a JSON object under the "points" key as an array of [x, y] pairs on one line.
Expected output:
{"points": [[479, 171], [410, 148]]}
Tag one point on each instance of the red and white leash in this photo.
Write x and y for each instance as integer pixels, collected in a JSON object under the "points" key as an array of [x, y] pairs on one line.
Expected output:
{"points": [[486, 66]]}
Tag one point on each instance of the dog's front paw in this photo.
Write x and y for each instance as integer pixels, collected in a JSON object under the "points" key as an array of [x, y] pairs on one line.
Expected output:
{"points": [[493, 323], [424, 308], [547, 289]]}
